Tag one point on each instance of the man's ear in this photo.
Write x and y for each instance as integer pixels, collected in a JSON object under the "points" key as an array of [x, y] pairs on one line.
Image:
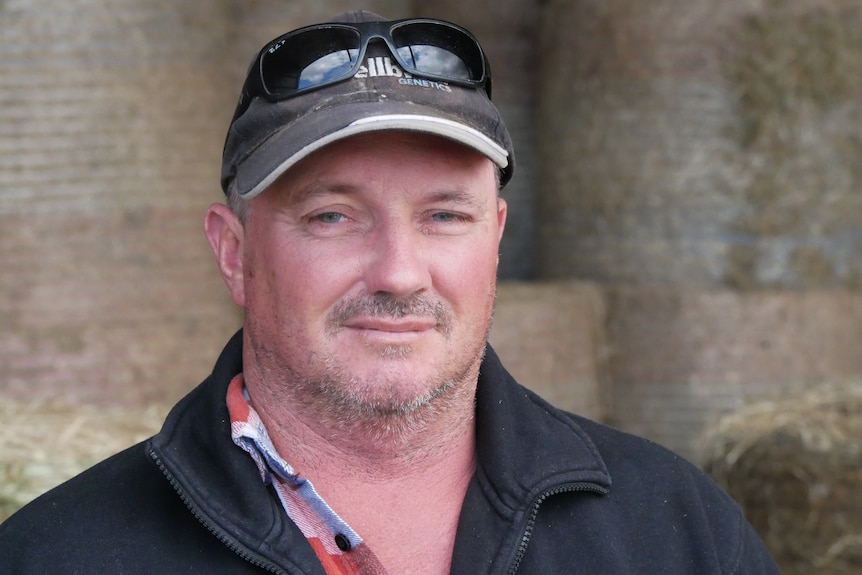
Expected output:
{"points": [[225, 234]]}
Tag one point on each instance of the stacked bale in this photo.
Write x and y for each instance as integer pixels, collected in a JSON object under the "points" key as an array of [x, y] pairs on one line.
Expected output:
{"points": [[702, 143], [681, 356], [45, 443], [795, 466], [700, 161], [112, 115], [551, 340]]}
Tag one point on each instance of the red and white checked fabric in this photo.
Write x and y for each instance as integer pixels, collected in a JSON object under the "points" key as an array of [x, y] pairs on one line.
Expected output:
{"points": [[338, 547]]}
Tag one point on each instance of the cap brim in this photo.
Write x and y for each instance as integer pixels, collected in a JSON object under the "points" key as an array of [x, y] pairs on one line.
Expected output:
{"points": [[310, 133]]}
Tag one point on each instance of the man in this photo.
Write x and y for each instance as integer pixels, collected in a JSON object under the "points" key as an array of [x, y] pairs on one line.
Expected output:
{"points": [[359, 423]]}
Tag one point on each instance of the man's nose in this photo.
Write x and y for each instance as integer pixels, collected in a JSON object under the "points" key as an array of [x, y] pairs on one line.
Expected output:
{"points": [[397, 262]]}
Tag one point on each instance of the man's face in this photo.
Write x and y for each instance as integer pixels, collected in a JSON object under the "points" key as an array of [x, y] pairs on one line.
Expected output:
{"points": [[369, 273]]}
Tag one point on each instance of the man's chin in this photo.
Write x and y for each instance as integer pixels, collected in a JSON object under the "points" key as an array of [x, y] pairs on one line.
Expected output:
{"points": [[395, 351]]}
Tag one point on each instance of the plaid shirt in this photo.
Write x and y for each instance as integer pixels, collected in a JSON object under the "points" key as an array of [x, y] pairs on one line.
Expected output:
{"points": [[339, 548]]}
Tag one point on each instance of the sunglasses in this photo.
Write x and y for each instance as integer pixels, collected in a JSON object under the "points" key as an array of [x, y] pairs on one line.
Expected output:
{"points": [[323, 54]]}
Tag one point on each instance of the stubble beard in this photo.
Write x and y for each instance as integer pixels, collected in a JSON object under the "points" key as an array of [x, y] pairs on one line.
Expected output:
{"points": [[383, 410]]}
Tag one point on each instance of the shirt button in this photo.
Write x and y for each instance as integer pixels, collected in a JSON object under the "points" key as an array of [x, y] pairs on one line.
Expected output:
{"points": [[342, 542]]}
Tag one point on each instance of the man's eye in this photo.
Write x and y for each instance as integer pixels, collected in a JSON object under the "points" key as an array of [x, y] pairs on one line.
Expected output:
{"points": [[446, 217], [329, 217]]}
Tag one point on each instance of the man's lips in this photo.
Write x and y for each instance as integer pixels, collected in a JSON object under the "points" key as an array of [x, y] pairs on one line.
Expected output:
{"points": [[402, 325]]}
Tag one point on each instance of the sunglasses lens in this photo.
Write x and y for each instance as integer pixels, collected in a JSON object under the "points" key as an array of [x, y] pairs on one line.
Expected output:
{"points": [[435, 61], [439, 50], [308, 59]]}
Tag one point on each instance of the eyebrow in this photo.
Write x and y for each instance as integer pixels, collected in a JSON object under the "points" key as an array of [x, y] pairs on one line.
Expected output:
{"points": [[457, 196]]}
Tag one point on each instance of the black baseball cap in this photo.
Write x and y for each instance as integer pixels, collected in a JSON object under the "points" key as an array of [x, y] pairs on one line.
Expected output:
{"points": [[269, 137]]}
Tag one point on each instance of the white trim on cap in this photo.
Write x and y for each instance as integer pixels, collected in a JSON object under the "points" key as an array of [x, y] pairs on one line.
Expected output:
{"points": [[450, 129]]}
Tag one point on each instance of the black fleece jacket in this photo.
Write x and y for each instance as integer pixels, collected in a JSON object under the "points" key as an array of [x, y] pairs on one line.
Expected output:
{"points": [[542, 501]]}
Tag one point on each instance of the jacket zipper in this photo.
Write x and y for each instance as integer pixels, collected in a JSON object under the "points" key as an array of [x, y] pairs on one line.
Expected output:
{"points": [[223, 537], [534, 513]]}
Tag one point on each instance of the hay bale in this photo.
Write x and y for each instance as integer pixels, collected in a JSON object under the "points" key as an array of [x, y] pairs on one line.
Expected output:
{"points": [[795, 467], [42, 444], [701, 143]]}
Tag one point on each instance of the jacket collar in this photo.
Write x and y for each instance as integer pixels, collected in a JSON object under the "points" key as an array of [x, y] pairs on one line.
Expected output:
{"points": [[220, 483], [525, 447]]}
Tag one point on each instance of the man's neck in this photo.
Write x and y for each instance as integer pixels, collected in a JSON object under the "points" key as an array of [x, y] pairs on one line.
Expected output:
{"points": [[375, 449], [391, 483]]}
